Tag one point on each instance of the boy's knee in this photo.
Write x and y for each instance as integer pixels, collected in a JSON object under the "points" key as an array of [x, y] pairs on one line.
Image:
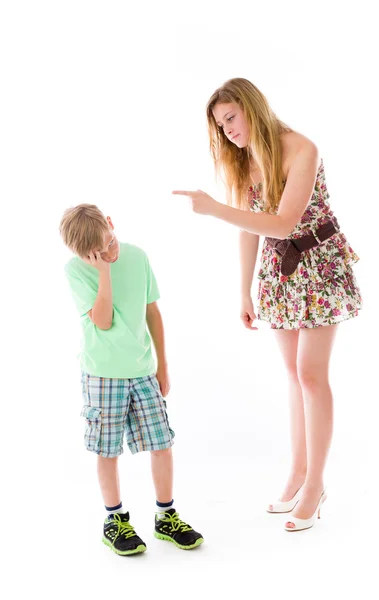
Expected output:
{"points": [[161, 453], [105, 460]]}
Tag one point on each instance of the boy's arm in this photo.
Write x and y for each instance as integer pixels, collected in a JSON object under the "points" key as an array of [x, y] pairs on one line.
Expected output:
{"points": [[101, 314], [155, 325]]}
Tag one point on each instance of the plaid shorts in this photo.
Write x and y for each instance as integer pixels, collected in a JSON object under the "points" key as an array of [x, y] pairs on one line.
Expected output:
{"points": [[135, 407]]}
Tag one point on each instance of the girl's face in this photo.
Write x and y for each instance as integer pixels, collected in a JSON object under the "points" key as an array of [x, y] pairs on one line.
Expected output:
{"points": [[231, 119]]}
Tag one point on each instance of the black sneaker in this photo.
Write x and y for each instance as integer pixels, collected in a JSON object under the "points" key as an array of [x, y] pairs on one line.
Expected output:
{"points": [[120, 536], [172, 529]]}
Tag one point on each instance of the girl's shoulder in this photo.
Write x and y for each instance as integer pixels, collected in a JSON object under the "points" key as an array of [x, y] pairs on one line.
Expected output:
{"points": [[294, 143]]}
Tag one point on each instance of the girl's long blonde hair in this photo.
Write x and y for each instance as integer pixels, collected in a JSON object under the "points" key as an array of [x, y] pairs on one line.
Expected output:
{"points": [[233, 163]]}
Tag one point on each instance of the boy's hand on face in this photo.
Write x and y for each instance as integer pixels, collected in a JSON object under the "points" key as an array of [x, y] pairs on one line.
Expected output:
{"points": [[94, 259], [163, 380]]}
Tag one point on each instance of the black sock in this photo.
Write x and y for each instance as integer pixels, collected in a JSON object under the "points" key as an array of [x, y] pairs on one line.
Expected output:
{"points": [[161, 508], [111, 510]]}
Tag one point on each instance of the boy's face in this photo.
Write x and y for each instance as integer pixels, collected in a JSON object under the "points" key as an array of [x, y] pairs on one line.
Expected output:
{"points": [[111, 248]]}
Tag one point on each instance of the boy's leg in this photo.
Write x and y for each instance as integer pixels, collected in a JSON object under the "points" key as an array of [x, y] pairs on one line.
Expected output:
{"points": [[107, 472], [162, 471], [105, 407], [119, 534], [148, 429], [168, 526]]}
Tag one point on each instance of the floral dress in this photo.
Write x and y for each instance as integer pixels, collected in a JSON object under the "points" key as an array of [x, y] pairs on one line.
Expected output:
{"points": [[323, 289]]}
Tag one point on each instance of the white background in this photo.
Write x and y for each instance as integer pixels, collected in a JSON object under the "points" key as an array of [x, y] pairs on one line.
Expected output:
{"points": [[103, 102]]}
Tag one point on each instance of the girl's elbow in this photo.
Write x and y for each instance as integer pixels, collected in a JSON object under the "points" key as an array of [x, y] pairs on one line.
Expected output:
{"points": [[281, 234], [284, 233], [285, 230]]}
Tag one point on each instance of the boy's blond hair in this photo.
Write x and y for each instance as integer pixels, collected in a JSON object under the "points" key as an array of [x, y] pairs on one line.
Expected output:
{"points": [[82, 229]]}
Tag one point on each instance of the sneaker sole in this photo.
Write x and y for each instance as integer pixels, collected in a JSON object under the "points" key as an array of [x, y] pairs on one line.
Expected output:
{"points": [[161, 536], [141, 548]]}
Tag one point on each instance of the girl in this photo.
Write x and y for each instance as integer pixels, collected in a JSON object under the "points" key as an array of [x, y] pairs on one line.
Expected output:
{"points": [[276, 188]]}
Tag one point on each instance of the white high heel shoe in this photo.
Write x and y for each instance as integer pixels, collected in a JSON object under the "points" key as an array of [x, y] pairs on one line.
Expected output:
{"points": [[284, 507], [301, 524]]}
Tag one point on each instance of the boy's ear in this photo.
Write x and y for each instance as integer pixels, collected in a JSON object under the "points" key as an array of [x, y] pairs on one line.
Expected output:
{"points": [[110, 223]]}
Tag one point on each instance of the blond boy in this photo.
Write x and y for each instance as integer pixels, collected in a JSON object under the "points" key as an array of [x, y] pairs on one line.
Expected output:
{"points": [[116, 295]]}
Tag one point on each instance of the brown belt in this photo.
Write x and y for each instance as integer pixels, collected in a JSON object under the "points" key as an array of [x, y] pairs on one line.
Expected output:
{"points": [[290, 249]]}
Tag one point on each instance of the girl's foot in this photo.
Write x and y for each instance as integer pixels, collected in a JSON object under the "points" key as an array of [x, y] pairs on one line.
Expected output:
{"points": [[308, 503], [294, 484]]}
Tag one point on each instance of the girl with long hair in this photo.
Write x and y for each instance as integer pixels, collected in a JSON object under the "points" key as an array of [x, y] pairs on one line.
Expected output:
{"points": [[276, 188]]}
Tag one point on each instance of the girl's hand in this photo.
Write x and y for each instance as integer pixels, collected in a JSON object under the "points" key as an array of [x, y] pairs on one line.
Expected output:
{"points": [[248, 315], [201, 202]]}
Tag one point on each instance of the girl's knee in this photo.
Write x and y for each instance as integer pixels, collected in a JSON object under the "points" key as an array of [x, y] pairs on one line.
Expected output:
{"points": [[312, 378], [292, 372]]}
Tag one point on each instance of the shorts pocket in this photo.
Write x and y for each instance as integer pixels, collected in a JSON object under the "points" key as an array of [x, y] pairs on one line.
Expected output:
{"points": [[93, 428]]}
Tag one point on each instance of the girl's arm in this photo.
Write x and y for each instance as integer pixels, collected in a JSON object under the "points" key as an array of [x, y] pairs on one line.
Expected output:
{"points": [[248, 256], [249, 243], [297, 193]]}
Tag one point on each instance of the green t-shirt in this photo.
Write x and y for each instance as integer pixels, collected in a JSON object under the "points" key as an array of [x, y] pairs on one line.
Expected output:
{"points": [[124, 350]]}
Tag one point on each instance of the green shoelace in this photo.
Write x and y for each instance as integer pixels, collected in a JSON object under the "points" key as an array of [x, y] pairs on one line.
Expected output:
{"points": [[124, 528], [176, 523]]}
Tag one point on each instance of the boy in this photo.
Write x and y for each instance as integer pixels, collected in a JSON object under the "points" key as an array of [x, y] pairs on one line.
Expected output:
{"points": [[116, 294]]}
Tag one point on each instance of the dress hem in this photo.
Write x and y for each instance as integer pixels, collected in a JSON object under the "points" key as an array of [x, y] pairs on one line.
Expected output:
{"points": [[310, 326]]}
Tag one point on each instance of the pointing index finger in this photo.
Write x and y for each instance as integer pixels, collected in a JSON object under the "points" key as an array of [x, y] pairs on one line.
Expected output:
{"points": [[182, 193]]}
